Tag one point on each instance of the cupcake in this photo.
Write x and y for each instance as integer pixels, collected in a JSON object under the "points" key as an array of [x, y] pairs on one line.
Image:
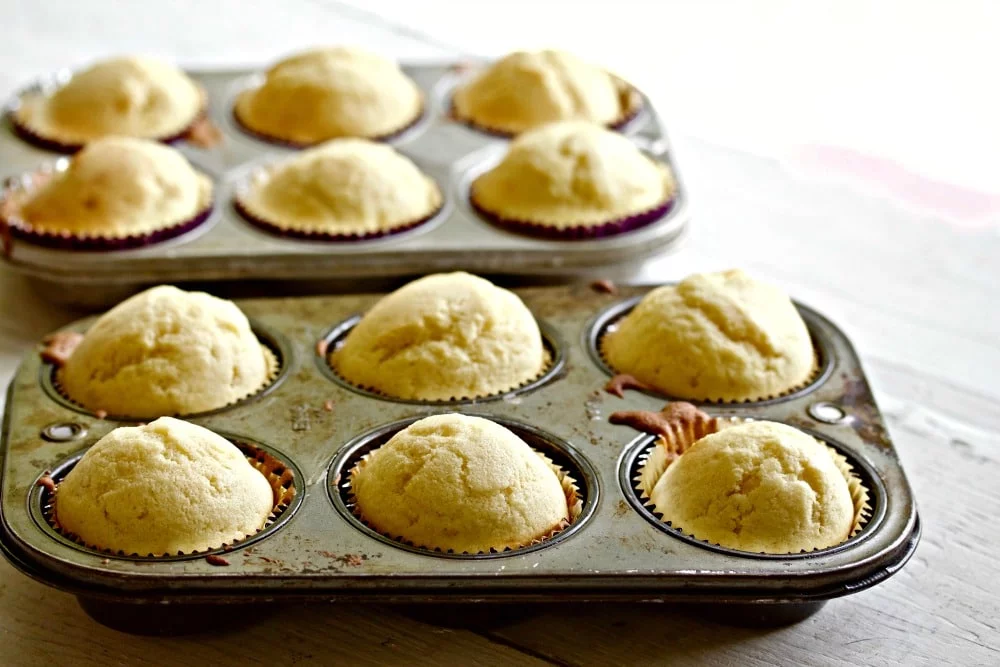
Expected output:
{"points": [[760, 487], [714, 337], [132, 96], [329, 93], [117, 192], [458, 483], [166, 352], [344, 189], [446, 336], [573, 179], [526, 89], [165, 488]]}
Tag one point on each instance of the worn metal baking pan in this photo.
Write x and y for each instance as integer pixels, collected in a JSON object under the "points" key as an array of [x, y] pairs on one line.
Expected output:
{"points": [[617, 551], [226, 247]]}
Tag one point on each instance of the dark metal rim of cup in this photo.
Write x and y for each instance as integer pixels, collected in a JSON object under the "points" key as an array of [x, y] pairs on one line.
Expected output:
{"points": [[38, 497], [599, 324], [560, 451], [273, 340], [631, 461], [335, 336]]}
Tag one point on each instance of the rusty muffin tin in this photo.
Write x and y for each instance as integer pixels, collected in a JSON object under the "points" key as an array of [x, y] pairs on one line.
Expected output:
{"points": [[227, 247], [318, 426]]}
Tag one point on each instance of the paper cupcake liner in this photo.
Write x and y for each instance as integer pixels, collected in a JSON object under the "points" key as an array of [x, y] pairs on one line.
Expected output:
{"points": [[613, 227], [547, 362], [66, 240], [278, 474], [284, 231], [668, 448], [629, 100], [271, 360], [814, 375], [298, 145], [52, 143], [570, 487]]}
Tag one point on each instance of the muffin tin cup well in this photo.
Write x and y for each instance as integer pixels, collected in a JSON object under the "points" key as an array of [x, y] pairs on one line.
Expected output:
{"points": [[577, 478], [333, 339], [16, 187], [606, 321], [644, 462], [277, 357], [282, 475]]}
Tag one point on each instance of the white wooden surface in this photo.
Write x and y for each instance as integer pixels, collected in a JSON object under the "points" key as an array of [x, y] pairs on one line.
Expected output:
{"points": [[914, 282]]}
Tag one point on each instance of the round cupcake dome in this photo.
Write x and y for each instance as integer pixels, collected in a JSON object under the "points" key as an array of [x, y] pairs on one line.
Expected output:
{"points": [[714, 337], [459, 483], [117, 191], [573, 179], [760, 487], [329, 93], [527, 89], [130, 96], [166, 352], [165, 488], [442, 337], [345, 189]]}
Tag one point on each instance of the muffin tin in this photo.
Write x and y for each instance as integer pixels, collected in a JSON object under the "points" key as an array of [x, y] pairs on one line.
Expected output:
{"points": [[617, 550], [227, 247]]}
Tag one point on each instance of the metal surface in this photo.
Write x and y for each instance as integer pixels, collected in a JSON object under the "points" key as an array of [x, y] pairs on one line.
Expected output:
{"points": [[228, 248], [616, 553]]}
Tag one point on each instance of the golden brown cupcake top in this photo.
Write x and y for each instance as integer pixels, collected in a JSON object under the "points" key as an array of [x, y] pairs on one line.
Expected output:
{"points": [[129, 96], [328, 93], [527, 89], [573, 174]]}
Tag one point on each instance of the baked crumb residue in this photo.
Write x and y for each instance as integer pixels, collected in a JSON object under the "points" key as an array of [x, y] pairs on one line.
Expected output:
{"points": [[663, 423], [215, 559], [59, 346], [604, 287], [203, 133], [619, 383]]}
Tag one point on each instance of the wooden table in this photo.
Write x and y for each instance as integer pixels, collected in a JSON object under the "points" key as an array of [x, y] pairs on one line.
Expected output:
{"points": [[917, 294]]}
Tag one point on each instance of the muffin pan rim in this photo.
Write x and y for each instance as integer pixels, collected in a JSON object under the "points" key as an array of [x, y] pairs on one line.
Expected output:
{"points": [[587, 480], [37, 495], [629, 464], [597, 325]]}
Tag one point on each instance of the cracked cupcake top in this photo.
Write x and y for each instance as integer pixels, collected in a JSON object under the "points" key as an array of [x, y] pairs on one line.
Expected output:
{"points": [[164, 488], [758, 487], [716, 337], [166, 352], [345, 186], [115, 187], [530, 88], [131, 96], [329, 93], [572, 174], [460, 483], [444, 336]]}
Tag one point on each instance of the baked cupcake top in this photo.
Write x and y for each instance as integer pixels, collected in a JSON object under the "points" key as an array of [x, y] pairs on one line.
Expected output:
{"points": [[530, 88], [459, 483], [759, 487], [444, 336], [714, 337], [115, 187], [350, 187], [131, 96], [328, 93], [165, 488], [166, 352], [572, 174]]}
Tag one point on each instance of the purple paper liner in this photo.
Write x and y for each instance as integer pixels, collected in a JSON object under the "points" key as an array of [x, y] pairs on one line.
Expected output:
{"points": [[66, 241], [299, 145], [49, 144], [617, 125], [311, 235], [540, 230]]}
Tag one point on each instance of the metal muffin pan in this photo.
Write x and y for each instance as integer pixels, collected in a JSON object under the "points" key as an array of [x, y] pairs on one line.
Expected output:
{"points": [[228, 248], [614, 552]]}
